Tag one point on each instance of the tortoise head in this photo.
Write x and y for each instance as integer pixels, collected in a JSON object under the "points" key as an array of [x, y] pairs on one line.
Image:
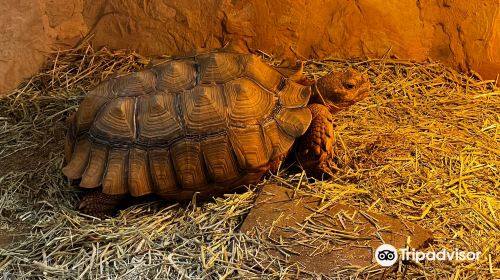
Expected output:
{"points": [[339, 90]]}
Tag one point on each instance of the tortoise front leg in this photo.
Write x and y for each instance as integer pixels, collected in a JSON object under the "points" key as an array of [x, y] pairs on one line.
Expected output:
{"points": [[315, 146], [99, 204]]}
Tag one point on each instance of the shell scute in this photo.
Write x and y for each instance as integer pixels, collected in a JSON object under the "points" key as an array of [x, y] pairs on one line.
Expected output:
{"points": [[250, 147], [248, 102], [135, 84], [260, 72], [157, 119], [219, 67], [219, 159], [203, 109], [176, 75]]}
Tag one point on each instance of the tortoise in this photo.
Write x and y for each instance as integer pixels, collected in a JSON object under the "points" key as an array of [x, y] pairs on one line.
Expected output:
{"points": [[202, 124]]}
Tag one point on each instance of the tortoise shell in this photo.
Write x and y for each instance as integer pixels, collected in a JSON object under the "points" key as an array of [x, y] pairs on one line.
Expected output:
{"points": [[206, 123]]}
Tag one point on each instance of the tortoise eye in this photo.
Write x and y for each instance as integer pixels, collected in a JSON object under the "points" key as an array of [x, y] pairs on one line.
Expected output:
{"points": [[349, 85]]}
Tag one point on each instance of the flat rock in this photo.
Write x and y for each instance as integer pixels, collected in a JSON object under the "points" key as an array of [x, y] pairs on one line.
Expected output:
{"points": [[322, 237]]}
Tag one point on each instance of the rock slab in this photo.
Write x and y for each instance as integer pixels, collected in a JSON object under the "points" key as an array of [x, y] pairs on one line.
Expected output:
{"points": [[324, 237]]}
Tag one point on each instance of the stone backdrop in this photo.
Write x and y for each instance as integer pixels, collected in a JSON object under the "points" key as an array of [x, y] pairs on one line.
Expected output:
{"points": [[464, 34], [30, 30]]}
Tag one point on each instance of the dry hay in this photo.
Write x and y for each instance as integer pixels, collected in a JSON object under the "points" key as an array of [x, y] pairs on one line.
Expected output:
{"points": [[424, 147]]}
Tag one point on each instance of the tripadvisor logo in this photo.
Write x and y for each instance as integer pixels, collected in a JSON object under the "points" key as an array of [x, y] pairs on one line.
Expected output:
{"points": [[386, 255]]}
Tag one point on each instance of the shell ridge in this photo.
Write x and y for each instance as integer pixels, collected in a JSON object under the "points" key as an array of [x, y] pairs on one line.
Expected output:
{"points": [[264, 140], [134, 120], [179, 112], [127, 171], [204, 167], [177, 182], [106, 164]]}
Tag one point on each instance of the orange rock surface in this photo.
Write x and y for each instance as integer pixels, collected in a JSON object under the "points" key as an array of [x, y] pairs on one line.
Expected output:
{"points": [[30, 30], [462, 33]]}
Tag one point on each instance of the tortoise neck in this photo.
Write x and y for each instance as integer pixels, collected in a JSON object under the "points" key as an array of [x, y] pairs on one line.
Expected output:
{"points": [[316, 96]]}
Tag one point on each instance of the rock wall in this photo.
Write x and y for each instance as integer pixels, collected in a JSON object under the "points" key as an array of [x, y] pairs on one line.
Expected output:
{"points": [[464, 34], [30, 30], [459, 32]]}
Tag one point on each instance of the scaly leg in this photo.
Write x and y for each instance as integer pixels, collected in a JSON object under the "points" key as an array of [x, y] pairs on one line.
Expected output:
{"points": [[315, 146], [99, 204]]}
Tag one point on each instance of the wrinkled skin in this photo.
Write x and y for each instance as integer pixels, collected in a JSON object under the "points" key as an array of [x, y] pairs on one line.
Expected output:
{"points": [[331, 93], [341, 90]]}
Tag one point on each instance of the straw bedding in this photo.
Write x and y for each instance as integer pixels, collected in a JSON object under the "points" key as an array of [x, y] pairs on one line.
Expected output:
{"points": [[424, 147]]}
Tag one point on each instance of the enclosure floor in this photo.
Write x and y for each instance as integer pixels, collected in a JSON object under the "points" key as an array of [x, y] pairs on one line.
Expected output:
{"points": [[424, 147]]}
